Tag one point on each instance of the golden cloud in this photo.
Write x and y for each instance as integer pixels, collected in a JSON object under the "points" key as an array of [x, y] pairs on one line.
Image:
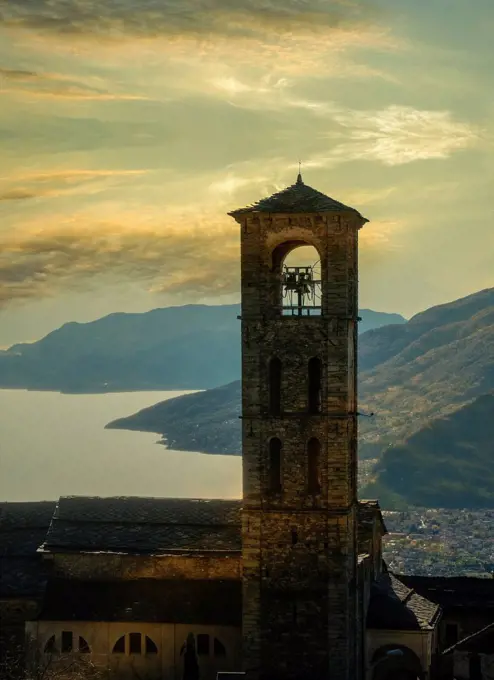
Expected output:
{"points": [[295, 36], [381, 235], [186, 253], [236, 18], [33, 84], [58, 182], [72, 94]]}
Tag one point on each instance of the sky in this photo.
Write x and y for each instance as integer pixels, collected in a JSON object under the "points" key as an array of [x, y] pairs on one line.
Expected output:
{"points": [[129, 130]]}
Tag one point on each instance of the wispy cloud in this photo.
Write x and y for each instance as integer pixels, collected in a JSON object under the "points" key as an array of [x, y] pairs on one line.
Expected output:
{"points": [[381, 235], [394, 136], [72, 94], [238, 18], [295, 36], [34, 84], [180, 252], [17, 74], [171, 254], [22, 186]]}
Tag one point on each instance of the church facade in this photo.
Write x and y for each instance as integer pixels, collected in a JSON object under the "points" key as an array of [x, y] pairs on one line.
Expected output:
{"points": [[122, 582], [287, 583]]}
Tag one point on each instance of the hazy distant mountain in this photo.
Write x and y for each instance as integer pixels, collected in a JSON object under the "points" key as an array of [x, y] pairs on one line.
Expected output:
{"points": [[449, 463], [412, 373], [190, 347]]}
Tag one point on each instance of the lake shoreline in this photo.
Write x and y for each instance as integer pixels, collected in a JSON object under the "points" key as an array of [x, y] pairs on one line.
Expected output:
{"points": [[182, 390], [56, 444]]}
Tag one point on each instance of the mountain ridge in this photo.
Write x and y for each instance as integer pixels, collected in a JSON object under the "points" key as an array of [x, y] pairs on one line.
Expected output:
{"points": [[440, 368], [444, 365], [171, 348]]}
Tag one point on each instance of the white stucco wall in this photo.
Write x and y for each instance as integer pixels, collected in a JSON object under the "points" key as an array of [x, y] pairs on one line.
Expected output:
{"points": [[419, 642], [168, 638]]}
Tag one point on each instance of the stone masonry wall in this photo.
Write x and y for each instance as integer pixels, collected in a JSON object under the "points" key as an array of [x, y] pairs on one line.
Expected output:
{"points": [[127, 567], [300, 612]]}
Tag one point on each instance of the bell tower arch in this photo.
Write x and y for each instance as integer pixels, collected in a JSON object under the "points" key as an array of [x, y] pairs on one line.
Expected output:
{"points": [[299, 429]]}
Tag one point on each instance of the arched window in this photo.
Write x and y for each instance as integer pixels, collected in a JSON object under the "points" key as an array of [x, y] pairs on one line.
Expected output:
{"points": [[218, 648], [83, 646], [119, 646], [137, 644], [298, 267], [314, 396], [150, 646], [275, 447], [275, 386], [313, 465], [202, 644], [51, 646], [67, 646]]}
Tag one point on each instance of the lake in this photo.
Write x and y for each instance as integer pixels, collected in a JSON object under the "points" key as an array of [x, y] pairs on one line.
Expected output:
{"points": [[55, 445]]}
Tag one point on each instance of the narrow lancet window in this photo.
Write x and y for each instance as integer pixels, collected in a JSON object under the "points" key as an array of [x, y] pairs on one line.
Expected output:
{"points": [[275, 386], [313, 465], [314, 385], [275, 465]]}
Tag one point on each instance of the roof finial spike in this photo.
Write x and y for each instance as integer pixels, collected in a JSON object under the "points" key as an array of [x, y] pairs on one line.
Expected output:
{"points": [[299, 176]]}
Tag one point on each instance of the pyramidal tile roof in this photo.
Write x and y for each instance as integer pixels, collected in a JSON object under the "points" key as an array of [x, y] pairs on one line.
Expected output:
{"points": [[297, 198]]}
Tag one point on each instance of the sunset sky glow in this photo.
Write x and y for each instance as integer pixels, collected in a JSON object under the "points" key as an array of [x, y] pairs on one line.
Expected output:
{"points": [[128, 130]]}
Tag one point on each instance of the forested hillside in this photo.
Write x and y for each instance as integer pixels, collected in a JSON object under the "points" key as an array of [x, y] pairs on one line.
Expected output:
{"points": [[448, 463]]}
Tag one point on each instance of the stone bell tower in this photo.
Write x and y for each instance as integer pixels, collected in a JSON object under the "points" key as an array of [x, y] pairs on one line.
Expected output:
{"points": [[299, 526]]}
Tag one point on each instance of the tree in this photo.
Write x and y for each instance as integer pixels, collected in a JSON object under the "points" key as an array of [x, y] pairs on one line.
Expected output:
{"points": [[25, 662]]}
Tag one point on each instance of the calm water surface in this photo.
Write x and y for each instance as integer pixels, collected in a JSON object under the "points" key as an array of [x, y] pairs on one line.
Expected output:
{"points": [[55, 444]]}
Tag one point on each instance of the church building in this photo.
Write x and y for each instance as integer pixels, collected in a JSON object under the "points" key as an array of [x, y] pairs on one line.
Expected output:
{"points": [[287, 583]]}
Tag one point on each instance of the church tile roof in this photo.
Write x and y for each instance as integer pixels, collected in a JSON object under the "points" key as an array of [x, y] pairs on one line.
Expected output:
{"points": [[141, 510], [144, 525], [297, 198], [154, 525], [23, 528], [394, 606], [138, 538], [22, 577], [453, 591], [367, 512], [16, 515]]}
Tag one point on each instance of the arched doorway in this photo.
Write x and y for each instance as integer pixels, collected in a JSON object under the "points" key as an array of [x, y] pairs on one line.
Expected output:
{"points": [[386, 666]]}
